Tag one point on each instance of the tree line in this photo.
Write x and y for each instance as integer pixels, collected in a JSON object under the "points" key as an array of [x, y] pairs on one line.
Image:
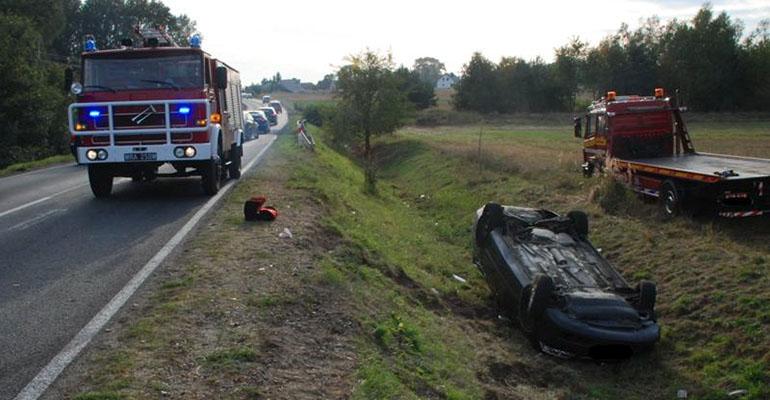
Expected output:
{"points": [[708, 59], [38, 40]]}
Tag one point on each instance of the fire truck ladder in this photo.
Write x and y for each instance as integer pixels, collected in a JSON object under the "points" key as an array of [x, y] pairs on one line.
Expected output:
{"points": [[154, 36]]}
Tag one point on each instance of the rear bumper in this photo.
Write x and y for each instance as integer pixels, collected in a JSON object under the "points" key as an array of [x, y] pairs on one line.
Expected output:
{"points": [[567, 337]]}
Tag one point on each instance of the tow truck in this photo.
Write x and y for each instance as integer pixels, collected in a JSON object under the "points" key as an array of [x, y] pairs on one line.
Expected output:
{"points": [[643, 142], [154, 103]]}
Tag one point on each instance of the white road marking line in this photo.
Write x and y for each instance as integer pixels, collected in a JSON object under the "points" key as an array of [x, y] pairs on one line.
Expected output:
{"points": [[33, 221], [38, 385], [40, 200]]}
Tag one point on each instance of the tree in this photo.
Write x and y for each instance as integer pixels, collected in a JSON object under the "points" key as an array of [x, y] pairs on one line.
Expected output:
{"points": [[420, 93], [326, 83], [478, 87], [370, 103], [429, 69]]}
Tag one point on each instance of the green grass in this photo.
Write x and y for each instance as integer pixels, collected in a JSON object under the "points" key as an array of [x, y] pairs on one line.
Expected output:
{"points": [[403, 245], [37, 164]]}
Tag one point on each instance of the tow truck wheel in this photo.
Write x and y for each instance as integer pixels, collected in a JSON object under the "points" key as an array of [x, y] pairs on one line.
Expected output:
{"points": [[100, 180], [211, 178], [670, 200], [236, 153]]}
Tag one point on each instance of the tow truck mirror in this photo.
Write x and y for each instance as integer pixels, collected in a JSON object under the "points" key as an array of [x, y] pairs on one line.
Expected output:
{"points": [[221, 77], [68, 79], [578, 127]]}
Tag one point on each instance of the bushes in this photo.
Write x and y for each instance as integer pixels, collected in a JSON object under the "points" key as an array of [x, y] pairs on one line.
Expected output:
{"points": [[316, 113]]}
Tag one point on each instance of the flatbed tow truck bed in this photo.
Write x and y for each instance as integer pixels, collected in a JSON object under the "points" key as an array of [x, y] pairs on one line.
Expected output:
{"points": [[702, 166]]}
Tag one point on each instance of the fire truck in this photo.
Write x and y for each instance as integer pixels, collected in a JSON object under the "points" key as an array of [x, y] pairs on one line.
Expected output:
{"points": [[643, 142], [150, 103]]}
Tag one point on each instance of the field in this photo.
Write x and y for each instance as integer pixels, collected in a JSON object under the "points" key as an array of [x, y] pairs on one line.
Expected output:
{"points": [[363, 302]]}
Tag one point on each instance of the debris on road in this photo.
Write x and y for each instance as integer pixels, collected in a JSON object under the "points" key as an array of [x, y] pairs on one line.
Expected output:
{"points": [[255, 210]]}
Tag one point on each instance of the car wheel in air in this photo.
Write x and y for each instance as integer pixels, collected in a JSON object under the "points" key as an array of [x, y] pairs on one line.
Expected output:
{"points": [[491, 218], [100, 180], [579, 221], [540, 297], [648, 293]]}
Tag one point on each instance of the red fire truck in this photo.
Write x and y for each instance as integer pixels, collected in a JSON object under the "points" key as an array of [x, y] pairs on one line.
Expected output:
{"points": [[643, 142], [143, 106]]}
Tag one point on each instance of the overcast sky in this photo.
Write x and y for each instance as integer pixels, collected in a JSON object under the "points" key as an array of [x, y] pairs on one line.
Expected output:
{"points": [[309, 38]]}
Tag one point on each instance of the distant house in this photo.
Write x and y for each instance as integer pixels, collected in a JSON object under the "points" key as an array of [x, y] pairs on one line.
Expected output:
{"points": [[446, 81], [291, 85]]}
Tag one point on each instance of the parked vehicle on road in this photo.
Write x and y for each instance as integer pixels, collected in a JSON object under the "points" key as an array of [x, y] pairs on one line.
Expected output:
{"points": [[568, 299], [277, 106], [263, 124], [265, 100], [643, 142], [250, 130], [140, 107], [272, 116]]}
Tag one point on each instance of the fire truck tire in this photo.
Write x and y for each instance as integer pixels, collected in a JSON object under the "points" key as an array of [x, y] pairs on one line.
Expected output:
{"points": [[670, 200], [211, 178], [100, 180], [234, 169]]}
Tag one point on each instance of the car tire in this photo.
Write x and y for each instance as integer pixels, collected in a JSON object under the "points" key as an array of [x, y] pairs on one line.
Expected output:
{"points": [[490, 219], [542, 292], [211, 177], [670, 200], [647, 292], [579, 221], [100, 180], [234, 169]]}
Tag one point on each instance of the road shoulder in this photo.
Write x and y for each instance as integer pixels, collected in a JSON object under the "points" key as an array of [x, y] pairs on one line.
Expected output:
{"points": [[238, 312]]}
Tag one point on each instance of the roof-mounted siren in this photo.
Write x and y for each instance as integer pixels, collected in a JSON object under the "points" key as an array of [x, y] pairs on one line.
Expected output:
{"points": [[195, 41], [659, 93], [154, 36], [89, 43], [611, 95]]}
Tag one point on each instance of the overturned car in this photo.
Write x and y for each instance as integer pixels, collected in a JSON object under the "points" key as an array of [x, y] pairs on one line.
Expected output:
{"points": [[567, 298]]}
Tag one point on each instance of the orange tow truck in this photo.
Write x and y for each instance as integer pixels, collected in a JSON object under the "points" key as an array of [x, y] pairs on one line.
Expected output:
{"points": [[643, 142]]}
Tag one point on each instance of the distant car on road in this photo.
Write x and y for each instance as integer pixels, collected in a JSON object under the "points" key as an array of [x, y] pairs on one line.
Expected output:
{"points": [[249, 126], [272, 116], [569, 300], [265, 99], [263, 124], [277, 106]]}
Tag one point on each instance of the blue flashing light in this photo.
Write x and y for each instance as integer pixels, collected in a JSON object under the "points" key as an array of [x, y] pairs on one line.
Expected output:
{"points": [[195, 41], [184, 110], [94, 113], [90, 45]]}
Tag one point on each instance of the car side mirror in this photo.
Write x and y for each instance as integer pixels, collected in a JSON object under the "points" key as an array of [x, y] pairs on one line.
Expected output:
{"points": [[221, 77], [578, 127]]}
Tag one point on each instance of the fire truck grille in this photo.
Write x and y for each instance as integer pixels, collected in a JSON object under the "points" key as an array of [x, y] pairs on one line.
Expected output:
{"points": [[148, 138]]}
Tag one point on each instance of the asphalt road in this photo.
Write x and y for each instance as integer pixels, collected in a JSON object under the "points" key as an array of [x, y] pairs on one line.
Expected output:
{"points": [[64, 254]]}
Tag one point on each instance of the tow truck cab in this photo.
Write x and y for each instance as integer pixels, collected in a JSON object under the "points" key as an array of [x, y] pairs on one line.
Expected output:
{"points": [[141, 107], [643, 142]]}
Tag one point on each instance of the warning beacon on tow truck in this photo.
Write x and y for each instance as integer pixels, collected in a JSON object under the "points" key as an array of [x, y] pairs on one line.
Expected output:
{"points": [[152, 103]]}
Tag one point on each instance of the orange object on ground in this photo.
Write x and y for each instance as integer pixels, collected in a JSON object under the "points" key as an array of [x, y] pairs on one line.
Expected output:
{"points": [[255, 210]]}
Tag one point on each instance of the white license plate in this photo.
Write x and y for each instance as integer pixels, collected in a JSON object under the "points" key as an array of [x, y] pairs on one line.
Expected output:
{"points": [[140, 156]]}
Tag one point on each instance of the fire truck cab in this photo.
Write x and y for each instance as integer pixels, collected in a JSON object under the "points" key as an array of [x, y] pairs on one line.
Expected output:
{"points": [[643, 142], [139, 107]]}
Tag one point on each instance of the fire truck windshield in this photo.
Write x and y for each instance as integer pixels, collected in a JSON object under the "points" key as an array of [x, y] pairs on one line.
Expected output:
{"points": [[167, 72]]}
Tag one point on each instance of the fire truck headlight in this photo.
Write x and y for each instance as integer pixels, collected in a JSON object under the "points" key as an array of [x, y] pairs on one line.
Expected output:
{"points": [[101, 154], [179, 152], [91, 155], [76, 88], [189, 152]]}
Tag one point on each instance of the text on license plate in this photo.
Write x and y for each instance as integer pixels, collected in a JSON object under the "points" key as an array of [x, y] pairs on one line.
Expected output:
{"points": [[140, 156]]}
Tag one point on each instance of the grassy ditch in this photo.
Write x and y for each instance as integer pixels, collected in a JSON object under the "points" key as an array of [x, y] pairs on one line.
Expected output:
{"points": [[37, 164], [434, 335]]}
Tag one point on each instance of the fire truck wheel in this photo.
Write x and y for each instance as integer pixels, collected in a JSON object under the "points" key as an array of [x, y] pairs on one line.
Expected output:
{"points": [[211, 178], [100, 180], [670, 200], [235, 161]]}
